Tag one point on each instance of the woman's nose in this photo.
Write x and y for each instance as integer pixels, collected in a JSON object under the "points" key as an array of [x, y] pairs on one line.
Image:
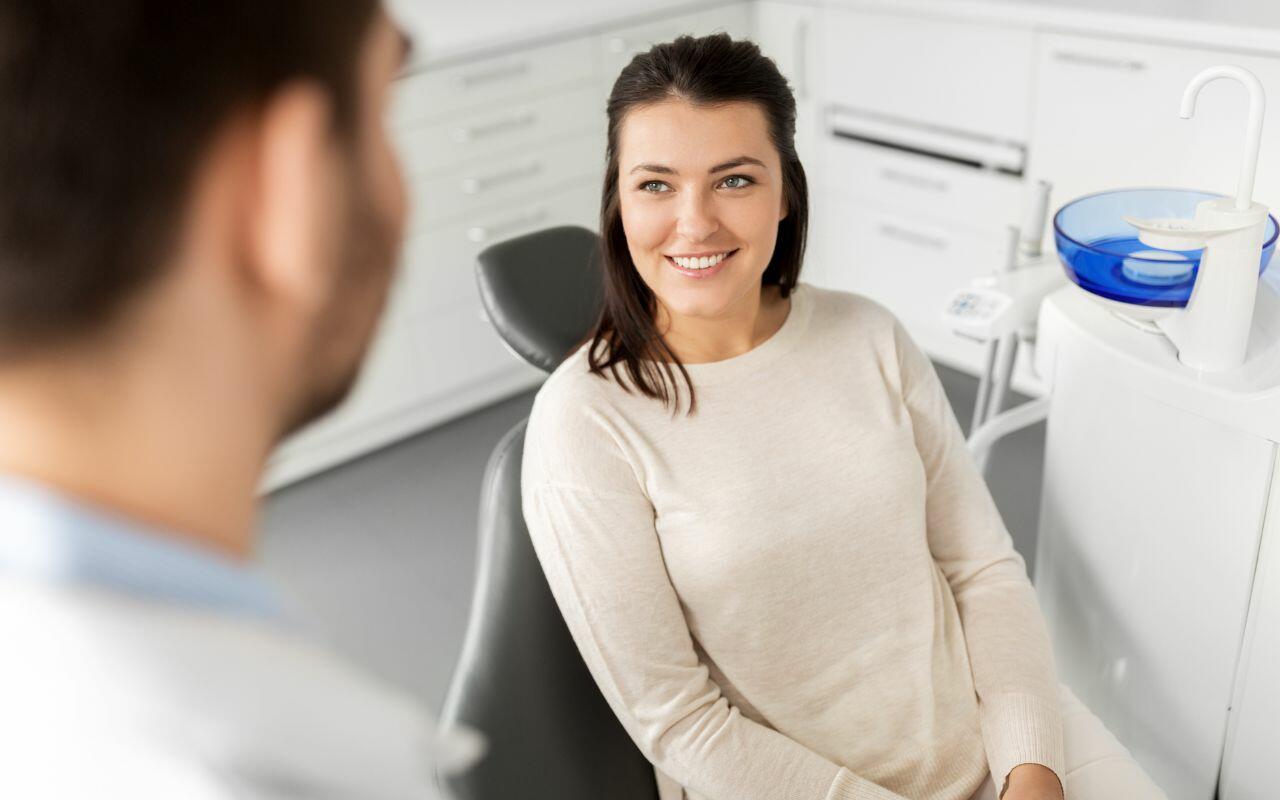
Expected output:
{"points": [[697, 218]]}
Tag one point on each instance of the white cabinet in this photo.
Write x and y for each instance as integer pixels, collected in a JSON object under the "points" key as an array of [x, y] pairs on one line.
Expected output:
{"points": [[460, 192], [1106, 116], [790, 34], [962, 76], [439, 94], [923, 149], [1145, 586], [476, 136], [1250, 768], [618, 47], [910, 266], [930, 189]]}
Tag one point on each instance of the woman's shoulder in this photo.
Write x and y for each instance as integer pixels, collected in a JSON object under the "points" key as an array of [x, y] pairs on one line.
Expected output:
{"points": [[853, 317], [851, 311], [572, 383], [572, 402], [573, 435]]}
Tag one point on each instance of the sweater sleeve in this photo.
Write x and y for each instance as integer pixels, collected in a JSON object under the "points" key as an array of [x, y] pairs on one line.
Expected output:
{"points": [[592, 526], [1005, 634]]}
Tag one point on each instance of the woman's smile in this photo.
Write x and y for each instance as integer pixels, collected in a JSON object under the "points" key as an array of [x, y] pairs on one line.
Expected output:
{"points": [[700, 265]]}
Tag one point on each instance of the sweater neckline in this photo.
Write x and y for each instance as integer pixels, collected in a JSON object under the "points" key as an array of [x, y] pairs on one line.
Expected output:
{"points": [[782, 340]]}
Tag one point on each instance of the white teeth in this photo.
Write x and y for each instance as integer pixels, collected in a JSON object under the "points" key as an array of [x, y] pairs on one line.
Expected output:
{"points": [[700, 263]]}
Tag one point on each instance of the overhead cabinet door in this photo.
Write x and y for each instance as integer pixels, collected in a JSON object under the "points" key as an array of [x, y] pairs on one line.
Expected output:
{"points": [[1106, 116], [959, 76]]}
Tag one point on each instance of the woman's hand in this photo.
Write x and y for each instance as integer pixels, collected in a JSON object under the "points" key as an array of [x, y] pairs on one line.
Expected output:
{"points": [[1032, 782]]}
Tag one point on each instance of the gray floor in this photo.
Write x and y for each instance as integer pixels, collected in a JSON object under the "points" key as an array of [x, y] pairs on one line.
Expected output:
{"points": [[379, 553]]}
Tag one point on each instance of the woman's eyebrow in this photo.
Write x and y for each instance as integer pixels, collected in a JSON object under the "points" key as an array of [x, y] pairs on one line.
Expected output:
{"points": [[737, 162], [665, 170], [652, 168]]}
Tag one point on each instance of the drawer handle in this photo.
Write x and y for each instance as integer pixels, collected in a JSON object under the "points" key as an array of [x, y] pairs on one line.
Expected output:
{"points": [[913, 237], [484, 233], [471, 134], [914, 181], [1105, 62], [502, 73], [482, 184]]}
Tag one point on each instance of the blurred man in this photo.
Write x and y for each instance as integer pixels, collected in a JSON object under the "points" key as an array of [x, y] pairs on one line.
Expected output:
{"points": [[199, 214]]}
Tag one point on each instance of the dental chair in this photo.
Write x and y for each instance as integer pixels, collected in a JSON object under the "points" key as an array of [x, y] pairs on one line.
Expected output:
{"points": [[520, 680]]}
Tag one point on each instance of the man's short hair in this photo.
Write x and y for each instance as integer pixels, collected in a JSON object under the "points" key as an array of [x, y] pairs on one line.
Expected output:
{"points": [[105, 111]]}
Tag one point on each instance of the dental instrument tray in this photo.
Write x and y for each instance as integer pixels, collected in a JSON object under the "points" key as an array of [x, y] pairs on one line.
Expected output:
{"points": [[1102, 254]]}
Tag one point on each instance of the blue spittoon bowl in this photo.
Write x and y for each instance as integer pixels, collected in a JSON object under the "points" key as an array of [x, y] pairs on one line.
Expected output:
{"points": [[1101, 252]]}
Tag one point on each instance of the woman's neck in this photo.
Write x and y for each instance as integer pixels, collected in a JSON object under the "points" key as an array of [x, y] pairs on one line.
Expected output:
{"points": [[700, 340]]}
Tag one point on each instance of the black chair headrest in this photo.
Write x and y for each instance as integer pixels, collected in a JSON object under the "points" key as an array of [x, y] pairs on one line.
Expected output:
{"points": [[543, 291]]}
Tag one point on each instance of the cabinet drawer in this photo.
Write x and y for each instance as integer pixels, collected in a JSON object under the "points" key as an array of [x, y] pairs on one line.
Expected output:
{"points": [[976, 78], [456, 348], [911, 268], [439, 93], [497, 181], [506, 128], [931, 188], [437, 269]]}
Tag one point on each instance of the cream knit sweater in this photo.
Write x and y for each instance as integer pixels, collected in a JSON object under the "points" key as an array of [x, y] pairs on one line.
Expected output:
{"points": [[804, 591]]}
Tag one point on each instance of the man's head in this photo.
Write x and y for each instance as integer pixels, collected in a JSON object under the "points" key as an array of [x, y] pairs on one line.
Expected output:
{"points": [[172, 170]]}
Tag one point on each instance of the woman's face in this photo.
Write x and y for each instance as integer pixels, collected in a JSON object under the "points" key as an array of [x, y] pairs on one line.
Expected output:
{"points": [[700, 189]]}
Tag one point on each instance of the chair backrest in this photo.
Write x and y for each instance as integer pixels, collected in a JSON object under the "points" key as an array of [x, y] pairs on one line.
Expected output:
{"points": [[520, 679]]}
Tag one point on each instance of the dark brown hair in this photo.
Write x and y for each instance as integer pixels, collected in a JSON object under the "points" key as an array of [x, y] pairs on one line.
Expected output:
{"points": [[709, 70], [105, 110]]}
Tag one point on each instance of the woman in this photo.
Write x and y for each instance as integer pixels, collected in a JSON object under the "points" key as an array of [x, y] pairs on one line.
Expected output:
{"points": [[781, 567]]}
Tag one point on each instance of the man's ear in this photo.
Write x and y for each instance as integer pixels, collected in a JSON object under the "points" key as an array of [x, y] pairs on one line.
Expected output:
{"points": [[291, 213]]}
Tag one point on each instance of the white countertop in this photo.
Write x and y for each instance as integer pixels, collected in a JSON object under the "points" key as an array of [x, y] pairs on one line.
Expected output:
{"points": [[457, 30]]}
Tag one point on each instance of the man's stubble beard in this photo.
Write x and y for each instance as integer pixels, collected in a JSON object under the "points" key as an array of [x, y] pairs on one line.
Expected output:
{"points": [[343, 333]]}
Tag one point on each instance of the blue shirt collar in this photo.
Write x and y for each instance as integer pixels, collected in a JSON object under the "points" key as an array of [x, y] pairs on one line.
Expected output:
{"points": [[49, 536]]}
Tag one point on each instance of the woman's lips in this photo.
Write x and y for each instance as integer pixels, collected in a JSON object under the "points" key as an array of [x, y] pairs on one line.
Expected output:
{"points": [[701, 273]]}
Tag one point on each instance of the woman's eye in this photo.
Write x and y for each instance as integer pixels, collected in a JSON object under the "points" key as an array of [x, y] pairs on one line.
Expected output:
{"points": [[742, 182], [653, 187]]}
